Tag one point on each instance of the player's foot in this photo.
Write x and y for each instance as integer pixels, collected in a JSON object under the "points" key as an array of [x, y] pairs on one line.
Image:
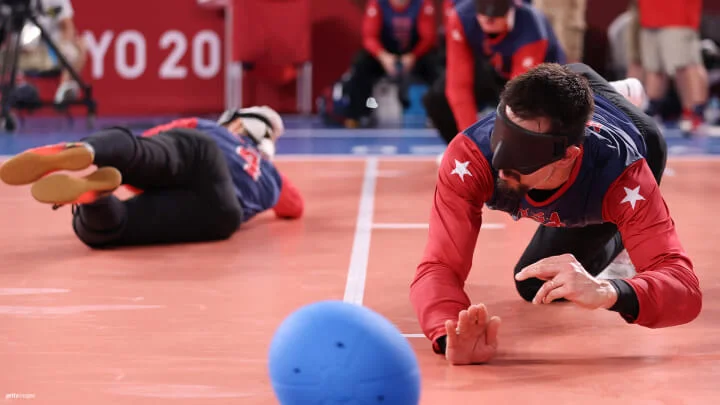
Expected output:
{"points": [[31, 165], [61, 189]]}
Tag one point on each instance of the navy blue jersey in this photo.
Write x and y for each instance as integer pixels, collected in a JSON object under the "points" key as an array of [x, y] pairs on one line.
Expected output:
{"points": [[611, 145], [399, 32], [530, 42], [257, 182]]}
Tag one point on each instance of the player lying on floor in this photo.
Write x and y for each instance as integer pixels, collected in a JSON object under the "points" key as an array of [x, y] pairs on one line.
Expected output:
{"points": [[195, 180], [570, 152]]}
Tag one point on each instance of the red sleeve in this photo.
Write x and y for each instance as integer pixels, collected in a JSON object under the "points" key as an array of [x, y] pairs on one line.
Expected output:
{"points": [[463, 185], [290, 204], [372, 25], [426, 29], [667, 289], [460, 81], [179, 123], [528, 56]]}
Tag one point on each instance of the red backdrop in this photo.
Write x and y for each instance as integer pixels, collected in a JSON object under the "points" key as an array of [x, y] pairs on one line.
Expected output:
{"points": [[166, 56]]}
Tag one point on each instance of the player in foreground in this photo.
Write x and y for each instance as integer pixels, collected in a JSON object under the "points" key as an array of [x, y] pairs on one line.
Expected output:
{"points": [[570, 152], [194, 180]]}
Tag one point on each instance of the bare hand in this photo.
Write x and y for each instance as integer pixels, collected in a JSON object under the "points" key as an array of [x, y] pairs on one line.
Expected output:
{"points": [[566, 278], [408, 62], [473, 339], [387, 60]]}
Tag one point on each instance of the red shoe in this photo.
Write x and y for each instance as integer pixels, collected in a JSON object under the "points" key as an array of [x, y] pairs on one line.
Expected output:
{"points": [[61, 189], [33, 164]]}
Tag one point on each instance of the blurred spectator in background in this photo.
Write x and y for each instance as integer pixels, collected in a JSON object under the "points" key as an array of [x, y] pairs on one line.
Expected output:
{"points": [[632, 36], [670, 47], [399, 37], [57, 21], [567, 18], [488, 42]]}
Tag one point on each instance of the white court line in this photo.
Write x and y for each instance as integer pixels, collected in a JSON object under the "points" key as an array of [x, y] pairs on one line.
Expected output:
{"points": [[357, 272], [379, 225], [413, 335]]}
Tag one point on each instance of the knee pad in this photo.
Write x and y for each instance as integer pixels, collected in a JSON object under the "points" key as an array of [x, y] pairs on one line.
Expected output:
{"points": [[91, 238]]}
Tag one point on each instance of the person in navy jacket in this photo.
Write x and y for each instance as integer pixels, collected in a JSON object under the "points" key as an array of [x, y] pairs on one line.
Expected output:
{"points": [[567, 150], [399, 38], [488, 42], [193, 180]]}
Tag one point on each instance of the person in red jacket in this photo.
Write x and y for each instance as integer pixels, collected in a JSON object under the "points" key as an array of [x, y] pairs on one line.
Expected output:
{"points": [[569, 151], [487, 42], [670, 47], [399, 38], [194, 180]]}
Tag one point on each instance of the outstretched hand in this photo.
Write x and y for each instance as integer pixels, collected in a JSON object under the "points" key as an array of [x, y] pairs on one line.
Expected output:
{"points": [[473, 339], [565, 277]]}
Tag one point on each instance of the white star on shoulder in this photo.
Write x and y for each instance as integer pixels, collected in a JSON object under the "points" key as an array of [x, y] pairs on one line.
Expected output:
{"points": [[461, 169], [632, 196]]}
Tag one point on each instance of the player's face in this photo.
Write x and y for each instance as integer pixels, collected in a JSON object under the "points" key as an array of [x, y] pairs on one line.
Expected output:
{"points": [[236, 127], [521, 183], [399, 3], [493, 25]]}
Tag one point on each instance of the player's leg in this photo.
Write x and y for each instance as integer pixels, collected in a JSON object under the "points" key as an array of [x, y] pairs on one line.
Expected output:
{"points": [[594, 246], [654, 140], [428, 67], [364, 74], [486, 89], [203, 213], [439, 111], [164, 160], [188, 192]]}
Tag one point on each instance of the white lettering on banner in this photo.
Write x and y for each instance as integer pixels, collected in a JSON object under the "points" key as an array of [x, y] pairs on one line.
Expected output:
{"points": [[97, 51], [121, 60], [170, 68], [212, 68]]}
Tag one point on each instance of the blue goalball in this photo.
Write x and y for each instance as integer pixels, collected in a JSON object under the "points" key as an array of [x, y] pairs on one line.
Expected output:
{"points": [[335, 352]]}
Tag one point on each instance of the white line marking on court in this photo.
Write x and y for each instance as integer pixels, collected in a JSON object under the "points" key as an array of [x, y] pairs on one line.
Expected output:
{"points": [[413, 335], [32, 291], [357, 272], [380, 225], [71, 309]]}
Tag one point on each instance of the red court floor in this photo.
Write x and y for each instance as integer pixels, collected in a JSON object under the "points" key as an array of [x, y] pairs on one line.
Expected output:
{"points": [[192, 324]]}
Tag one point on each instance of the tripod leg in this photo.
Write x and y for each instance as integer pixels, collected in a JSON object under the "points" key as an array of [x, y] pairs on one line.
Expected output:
{"points": [[88, 99], [11, 58]]}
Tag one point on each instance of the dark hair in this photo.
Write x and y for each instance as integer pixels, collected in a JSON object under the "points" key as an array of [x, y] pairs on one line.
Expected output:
{"points": [[555, 92]]}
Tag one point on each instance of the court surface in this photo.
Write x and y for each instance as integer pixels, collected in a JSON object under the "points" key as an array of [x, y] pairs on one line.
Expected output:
{"points": [[192, 324]]}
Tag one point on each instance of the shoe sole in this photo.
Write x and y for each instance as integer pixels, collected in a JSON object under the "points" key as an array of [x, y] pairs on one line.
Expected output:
{"points": [[62, 189], [29, 167]]}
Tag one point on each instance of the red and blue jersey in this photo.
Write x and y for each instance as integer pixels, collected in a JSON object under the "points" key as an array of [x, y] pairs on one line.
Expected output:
{"points": [[410, 29], [530, 42], [259, 186], [610, 147], [611, 182]]}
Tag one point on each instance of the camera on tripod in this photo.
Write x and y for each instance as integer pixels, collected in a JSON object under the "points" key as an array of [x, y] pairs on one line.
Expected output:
{"points": [[15, 16]]}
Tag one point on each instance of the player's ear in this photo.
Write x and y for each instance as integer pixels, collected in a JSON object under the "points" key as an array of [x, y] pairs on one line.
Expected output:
{"points": [[571, 153]]}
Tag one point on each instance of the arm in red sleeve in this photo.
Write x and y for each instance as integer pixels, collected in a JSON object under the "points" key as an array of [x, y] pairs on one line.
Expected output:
{"points": [[372, 25], [528, 56], [665, 289], [290, 204], [427, 29], [460, 80], [464, 184]]}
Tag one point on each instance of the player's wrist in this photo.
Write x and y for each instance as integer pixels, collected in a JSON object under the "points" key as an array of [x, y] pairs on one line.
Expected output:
{"points": [[609, 293]]}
